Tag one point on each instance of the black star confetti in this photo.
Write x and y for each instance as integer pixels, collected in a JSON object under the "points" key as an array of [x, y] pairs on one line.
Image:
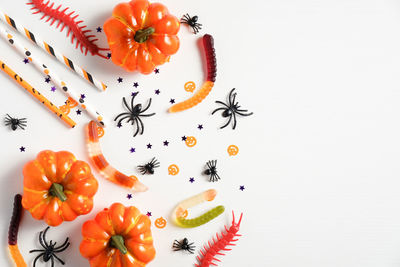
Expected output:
{"points": [[183, 138], [83, 96], [53, 89], [132, 150], [78, 112], [134, 94], [135, 85], [119, 125], [157, 92], [166, 143], [108, 55], [22, 149], [200, 126], [47, 80], [241, 188], [120, 80], [156, 71], [191, 179], [129, 196], [148, 213], [149, 146], [98, 29], [26, 61], [172, 101]]}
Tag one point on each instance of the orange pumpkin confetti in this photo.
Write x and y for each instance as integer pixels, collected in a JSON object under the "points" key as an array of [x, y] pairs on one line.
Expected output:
{"points": [[173, 169], [233, 150], [191, 141], [160, 223], [190, 86]]}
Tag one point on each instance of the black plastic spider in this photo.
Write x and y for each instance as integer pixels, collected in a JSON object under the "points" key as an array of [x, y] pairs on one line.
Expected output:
{"points": [[134, 114], [183, 245], [231, 109], [15, 123], [192, 22], [212, 170], [49, 251], [149, 167]]}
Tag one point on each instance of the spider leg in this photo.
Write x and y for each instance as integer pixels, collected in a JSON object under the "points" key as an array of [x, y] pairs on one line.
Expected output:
{"points": [[141, 123], [122, 114], [126, 105], [218, 178], [52, 260], [133, 97], [127, 116], [233, 99], [234, 121], [217, 110], [230, 96], [209, 164], [243, 114], [142, 169], [66, 244], [222, 103], [34, 262], [230, 118], [43, 236], [62, 262], [147, 107], [36, 250], [137, 126]]}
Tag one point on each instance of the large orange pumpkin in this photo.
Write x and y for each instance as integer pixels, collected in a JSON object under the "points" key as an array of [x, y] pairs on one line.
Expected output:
{"points": [[118, 237], [141, 35], [57, 187]]}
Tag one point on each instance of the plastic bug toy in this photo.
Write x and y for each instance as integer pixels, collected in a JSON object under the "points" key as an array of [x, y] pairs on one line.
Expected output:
{"points": [[227, 239], [212, 170], [149, 167], [68, 19], [50, 249], [192, 22], [231, 109], [134, 114], [15, 123], [184, 245]]}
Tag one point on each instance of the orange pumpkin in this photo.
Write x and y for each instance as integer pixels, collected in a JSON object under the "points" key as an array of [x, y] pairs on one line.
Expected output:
{"points": [[141, 35], [57, 187], [118, 236]]}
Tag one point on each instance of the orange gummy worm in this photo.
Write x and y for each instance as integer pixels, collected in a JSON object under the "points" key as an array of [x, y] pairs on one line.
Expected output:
{"points": [[195, 99]]}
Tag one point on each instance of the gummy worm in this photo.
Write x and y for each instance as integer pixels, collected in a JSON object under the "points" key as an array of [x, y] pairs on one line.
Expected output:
{"points": [[13, 232], [214, 248], [178, 214], [109, 172], [208, 42]]}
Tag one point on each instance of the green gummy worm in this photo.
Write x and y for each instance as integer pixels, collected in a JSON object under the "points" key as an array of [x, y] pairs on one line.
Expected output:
{"points": [[202, 219]]}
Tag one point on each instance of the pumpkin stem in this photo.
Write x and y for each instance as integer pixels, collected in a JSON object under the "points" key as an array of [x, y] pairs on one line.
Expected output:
{"points": [[57, 190], [117, 241], [142, 35]]}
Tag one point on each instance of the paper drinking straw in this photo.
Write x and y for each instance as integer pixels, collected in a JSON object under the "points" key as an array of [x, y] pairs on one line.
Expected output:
{"points": [[50, 50], [47, 72], [37, 94]]}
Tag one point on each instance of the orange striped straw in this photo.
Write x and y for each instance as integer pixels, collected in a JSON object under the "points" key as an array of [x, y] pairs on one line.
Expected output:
{"points": [[35, 93]]}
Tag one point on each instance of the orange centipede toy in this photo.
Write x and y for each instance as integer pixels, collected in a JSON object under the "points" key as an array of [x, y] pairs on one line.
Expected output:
{"points": [[208, 42], [99, 161], [13, 233]]}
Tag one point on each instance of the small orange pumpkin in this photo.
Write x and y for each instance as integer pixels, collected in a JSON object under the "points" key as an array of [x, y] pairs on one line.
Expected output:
{"points": [[118, 236]]}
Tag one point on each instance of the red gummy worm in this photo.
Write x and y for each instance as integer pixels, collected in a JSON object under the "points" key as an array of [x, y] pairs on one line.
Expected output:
{"points": [[208, 42], [67, 20], [15, 220], [208, 255]]}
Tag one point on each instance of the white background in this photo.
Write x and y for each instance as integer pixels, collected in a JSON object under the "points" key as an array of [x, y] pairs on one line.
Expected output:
{"points": [[319, 159]]}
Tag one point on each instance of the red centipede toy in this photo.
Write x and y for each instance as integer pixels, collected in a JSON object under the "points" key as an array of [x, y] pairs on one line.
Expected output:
{"points": [[208, 42], [13, 232], [68, 19], [227, 239], [108, 171]]}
